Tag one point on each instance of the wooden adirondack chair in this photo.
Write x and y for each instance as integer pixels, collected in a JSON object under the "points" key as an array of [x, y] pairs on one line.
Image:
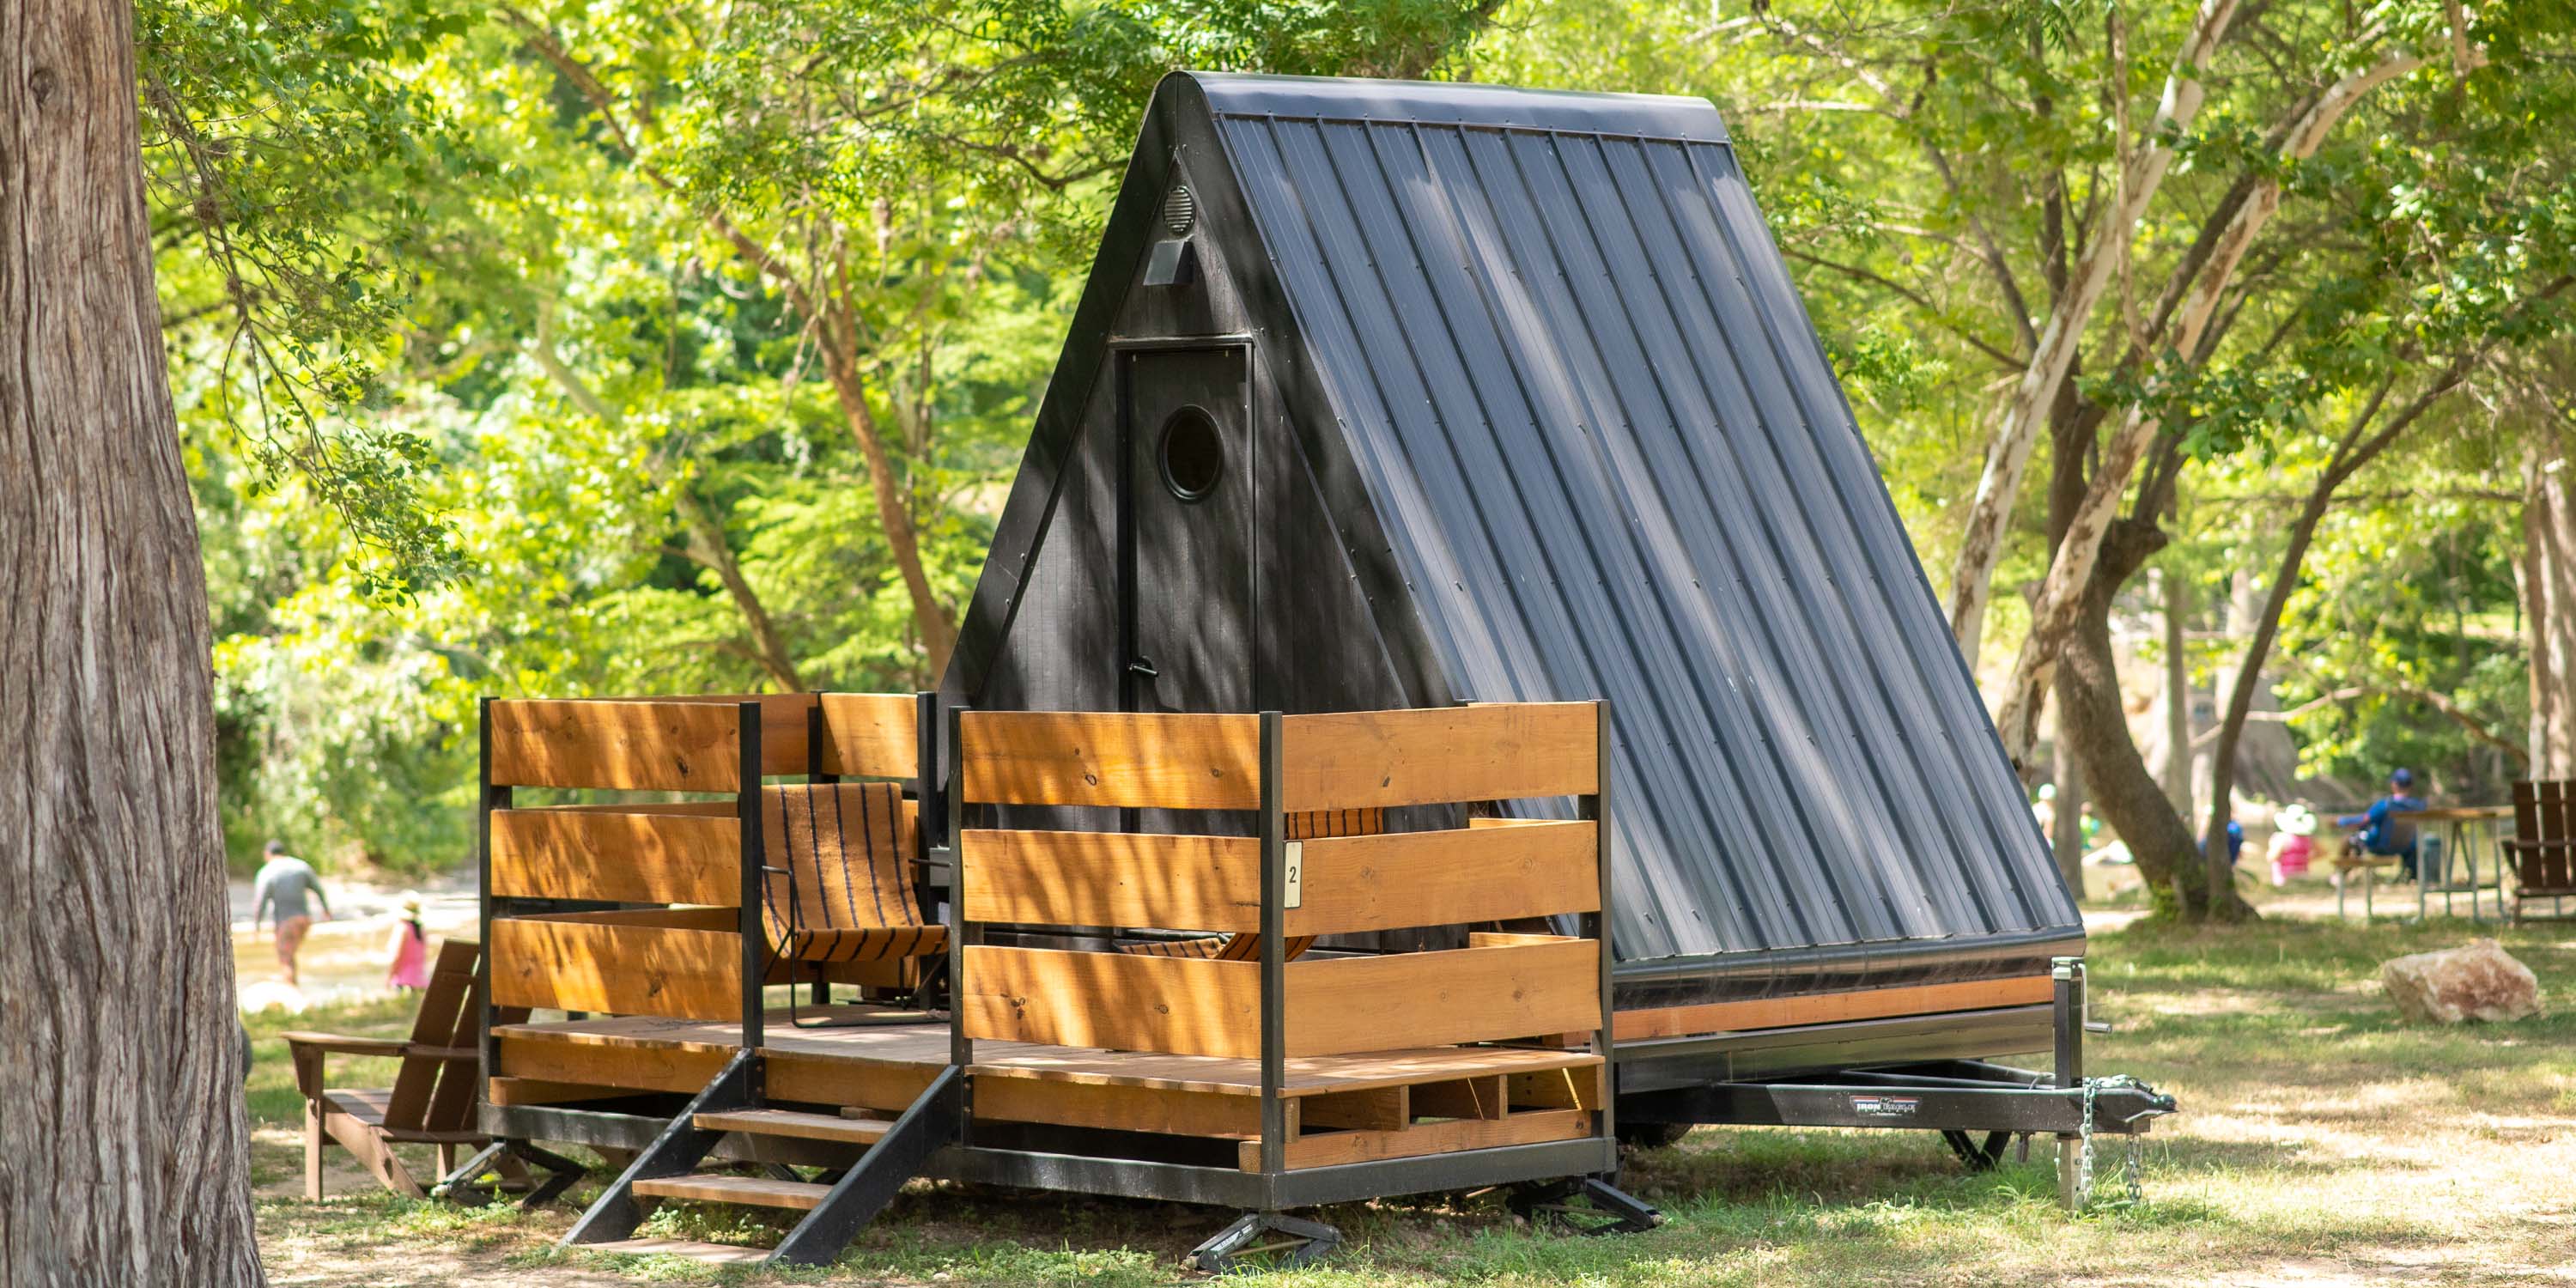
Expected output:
{"points": [[432, 1099], [2542, 849]]}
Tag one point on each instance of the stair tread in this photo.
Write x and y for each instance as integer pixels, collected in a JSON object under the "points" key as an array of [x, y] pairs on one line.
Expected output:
{"points": [[714, 1254], [759, 1191], [797, 1123]]}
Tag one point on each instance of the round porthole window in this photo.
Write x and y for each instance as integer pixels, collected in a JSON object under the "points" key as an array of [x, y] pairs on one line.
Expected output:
{"points": [[1193, 455]]}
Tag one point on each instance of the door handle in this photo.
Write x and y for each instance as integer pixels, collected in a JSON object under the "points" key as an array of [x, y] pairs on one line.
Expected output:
{"points": [[1143, 666]]}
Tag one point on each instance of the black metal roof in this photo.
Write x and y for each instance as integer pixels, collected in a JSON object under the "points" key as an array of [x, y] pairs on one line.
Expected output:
{"points": [[1597, 449]]}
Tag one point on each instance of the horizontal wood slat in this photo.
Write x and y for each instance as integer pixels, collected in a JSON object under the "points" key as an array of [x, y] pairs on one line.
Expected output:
{"points": [[1113, 879], [872, 735], [1150, 761], [1113, 1107], [1340, 1005], [1385, 759], [1335, 1148], [684, 963], [1831, 1008], [685, 746], [783, 724], [629, 856], [1336, 1005], [1119, 1001], [1349, 884], [1398, 880]]}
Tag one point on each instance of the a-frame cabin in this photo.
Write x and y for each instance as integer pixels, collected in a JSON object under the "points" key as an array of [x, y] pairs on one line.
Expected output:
{"points": [[1402, 395], [1381, 398]]}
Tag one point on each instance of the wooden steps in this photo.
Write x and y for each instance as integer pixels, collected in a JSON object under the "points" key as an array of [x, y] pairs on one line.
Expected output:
{"points": [[757, 1191], [712, 1254], [796, 1123]]}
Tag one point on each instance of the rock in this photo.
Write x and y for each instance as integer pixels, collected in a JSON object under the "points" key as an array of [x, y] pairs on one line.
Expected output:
{"points": [[2477, 981]]}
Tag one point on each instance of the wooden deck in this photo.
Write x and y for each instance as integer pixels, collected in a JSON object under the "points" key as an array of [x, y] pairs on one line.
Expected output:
{"points": [[1342, 1108]]}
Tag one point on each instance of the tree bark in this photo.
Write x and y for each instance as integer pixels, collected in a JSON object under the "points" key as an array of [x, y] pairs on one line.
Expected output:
{"points": [[2070, 572], [894, 510], [2176, 605], [2548, 585], [124, 1151], [2066, 819], [2095, 725]]}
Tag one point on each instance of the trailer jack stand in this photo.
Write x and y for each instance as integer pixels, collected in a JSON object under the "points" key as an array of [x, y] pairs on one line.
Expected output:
{"points": [[1611, 1211], [1303, 1243]]}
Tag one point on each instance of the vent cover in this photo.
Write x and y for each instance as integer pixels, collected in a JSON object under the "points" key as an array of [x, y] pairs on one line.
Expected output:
{"points": [[1180, 210]]}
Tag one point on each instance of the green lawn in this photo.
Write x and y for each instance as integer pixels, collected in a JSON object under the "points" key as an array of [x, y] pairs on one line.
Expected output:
{"points": [[2321, 1142]]}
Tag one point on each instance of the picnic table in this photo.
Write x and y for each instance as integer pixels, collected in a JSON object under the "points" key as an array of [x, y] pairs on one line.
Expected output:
{"points": [[2458, 823]]}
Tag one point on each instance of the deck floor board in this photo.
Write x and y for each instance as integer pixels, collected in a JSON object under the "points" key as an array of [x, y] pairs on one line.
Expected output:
{"points": [[925, 1045]]}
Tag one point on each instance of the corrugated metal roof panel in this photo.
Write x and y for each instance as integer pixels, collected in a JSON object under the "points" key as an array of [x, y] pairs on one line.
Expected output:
{"points": [[1601, 432]]}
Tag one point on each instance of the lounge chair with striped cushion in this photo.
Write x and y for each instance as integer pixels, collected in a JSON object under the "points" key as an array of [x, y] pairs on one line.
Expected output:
{"points": [[840, 889], [1246, 947]]}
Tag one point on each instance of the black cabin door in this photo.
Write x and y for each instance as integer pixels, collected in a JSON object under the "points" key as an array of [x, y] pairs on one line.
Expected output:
{"points": [[1189, 526]]}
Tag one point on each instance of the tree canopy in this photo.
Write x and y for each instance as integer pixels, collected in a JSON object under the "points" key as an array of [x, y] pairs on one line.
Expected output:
{"points": [[610, 347]]}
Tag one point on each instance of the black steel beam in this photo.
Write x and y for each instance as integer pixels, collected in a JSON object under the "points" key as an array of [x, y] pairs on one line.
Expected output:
{"points": [[1664, 1063], [1936, 1106], [677, 1149], [864, 1190]]}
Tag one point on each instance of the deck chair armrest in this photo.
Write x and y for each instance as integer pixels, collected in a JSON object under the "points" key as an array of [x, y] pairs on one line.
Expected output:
{"points": [[307, 1050], [443, 1052], [339, 1044], [2557, 843]]}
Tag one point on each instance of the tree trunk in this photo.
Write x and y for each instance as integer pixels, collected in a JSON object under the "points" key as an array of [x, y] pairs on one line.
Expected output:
{"points": [[708, 545], [124, 1152], [2070, 572], [1990, 511], [2176, 603], [2548, 584], [894, 512], [2066, 820], [2095, 725]]}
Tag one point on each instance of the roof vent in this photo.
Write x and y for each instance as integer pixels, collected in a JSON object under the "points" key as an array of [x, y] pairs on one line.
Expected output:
{"points": [[1180, 210]]}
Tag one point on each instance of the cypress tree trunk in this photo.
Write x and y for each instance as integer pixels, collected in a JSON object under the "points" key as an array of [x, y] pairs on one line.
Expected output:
{"points": [[2548, 577], [123, 1147]]}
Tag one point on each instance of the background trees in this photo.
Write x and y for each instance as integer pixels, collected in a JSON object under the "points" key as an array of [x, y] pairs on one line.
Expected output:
{"points": [[691, 345]]}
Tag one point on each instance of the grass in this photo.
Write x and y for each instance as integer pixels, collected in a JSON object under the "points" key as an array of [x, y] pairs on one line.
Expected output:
{"points": [[2321, 1142]]}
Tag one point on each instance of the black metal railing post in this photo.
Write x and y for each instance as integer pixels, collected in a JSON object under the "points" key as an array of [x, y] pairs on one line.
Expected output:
{"points": [[1596, 808], [1274, 949], [755, 932], [490, 798], [961, 932], [933, 819], [2066, 975], [814, 773]]}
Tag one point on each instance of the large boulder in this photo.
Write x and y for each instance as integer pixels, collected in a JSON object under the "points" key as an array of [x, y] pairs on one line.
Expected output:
{"points": [[2476, 981]]}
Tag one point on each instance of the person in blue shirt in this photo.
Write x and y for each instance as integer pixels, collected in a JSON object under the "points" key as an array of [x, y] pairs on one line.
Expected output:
{"points": [[2381, 834]]}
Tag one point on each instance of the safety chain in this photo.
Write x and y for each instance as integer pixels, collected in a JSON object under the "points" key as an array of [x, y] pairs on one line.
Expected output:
{"points": [[2132, 1172]]}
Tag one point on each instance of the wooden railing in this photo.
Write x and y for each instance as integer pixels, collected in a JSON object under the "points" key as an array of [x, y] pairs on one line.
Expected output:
{"points": [[1499, 987], [554, 876]]}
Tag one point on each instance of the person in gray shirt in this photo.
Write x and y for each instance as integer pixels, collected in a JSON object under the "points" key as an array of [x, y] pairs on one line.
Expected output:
{"points": [[285, 881]]}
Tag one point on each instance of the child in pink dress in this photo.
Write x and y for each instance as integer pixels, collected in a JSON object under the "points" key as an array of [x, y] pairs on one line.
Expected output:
{"points": [[411, 949], [2293, 842]]}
